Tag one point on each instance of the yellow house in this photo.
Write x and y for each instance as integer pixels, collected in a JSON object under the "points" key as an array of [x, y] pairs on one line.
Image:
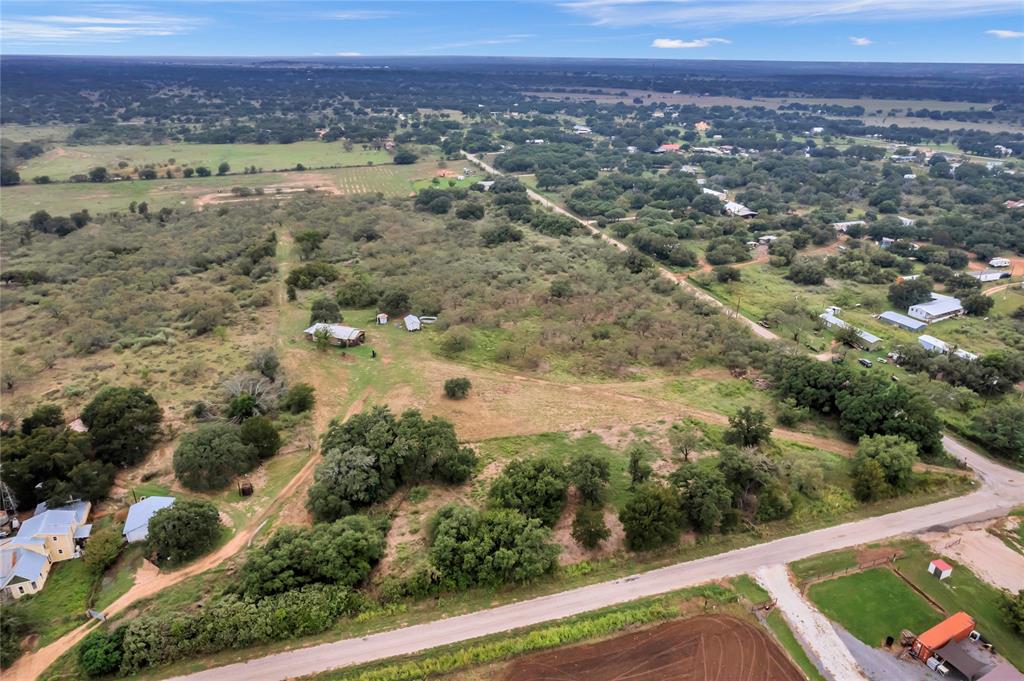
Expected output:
{"points": [[48, 537]]}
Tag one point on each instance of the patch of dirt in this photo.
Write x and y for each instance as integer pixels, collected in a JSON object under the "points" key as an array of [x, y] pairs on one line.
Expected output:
{"points": [[984, 553], [705, 648], [572, 552]]}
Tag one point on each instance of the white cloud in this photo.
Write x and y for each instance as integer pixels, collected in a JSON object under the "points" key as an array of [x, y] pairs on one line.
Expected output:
{"points": [[117, 26], [675, 44], [1000, 33], [729, 12], [503, 40], [860, 42], [348, 54], [360, 14]]}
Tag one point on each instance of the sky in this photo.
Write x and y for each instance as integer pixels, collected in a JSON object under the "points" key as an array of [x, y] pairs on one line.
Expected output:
{"points": [[797, 30]]}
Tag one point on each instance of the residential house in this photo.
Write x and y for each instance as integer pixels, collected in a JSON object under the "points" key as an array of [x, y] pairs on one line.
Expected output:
{"points": [[933, 344], [337, 334], [999, 262], [535, 141], [866, 339], [701, 126], [48, 537], [581, 130], [738, 210], [843, 226], [989, 275], [938, 308], [136, 525], [486, 184], [717, 194], [689, 170], [767, 238], [665, 148], [412, 322], [902, 321]]}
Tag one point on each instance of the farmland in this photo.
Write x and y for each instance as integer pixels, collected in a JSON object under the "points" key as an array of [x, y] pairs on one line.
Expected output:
{"points": [[62, 162]]}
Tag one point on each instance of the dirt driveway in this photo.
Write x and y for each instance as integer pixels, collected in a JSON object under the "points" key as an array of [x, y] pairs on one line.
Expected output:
{"points": [[983, 552]]}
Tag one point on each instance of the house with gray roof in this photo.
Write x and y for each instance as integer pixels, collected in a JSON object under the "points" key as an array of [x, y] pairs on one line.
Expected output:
{"points": [[337, 334], [50, 536], [938, 308], [136, 525]]}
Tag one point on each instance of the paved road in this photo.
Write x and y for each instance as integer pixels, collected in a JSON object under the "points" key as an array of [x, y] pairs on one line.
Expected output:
{"points": [[1001, 490], [677, 279]]}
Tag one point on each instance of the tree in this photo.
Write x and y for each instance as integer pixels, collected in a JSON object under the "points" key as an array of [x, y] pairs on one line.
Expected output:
{"points": [[395, 302], [807, 271], [704, 496], [1001, 429], [100, 653], [223, 168], [14, 627], [43, 416], [209, 457], [259, 433], [651, 518], [343, 552], [123, 424], [1013, 608], [978, 304], [104, 548], [300, 398], [501, 233], [9, 177], [202, 171], [534, 487], [457, 388], [469, 547], [588, 527], [325, 310], [639, 470], [184, 530], [405, 157], [684, 440], [869, 480], [905, 293], [893, 453], [748, 428], [309, 242], [98, 174], [346, 481], [188, 172], [589, 473], [470, 211]]}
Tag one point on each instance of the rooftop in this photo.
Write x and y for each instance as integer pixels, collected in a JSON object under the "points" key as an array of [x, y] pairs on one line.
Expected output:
{"points": [[336, 330], [941, 633], [140, 513]]}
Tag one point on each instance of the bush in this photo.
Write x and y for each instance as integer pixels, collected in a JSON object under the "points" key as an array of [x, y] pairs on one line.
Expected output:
{"points": [[259, 433], [104, 548], [455, 340], [588, 527], [534, 487], [300, 398], [312, 275], [100, 653], [209, 457], [123, 424], [13, 628], [341, 553], [651, 517], [457, 388], [589, 473], [183, 531], [325, 310]]}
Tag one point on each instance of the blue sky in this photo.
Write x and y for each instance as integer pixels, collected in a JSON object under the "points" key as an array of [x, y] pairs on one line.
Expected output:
{"points": [[808, 30]]}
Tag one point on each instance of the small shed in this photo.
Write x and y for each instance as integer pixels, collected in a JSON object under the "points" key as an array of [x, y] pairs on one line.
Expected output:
{"points": [[412, 322], [382, 318], [940, 568]]}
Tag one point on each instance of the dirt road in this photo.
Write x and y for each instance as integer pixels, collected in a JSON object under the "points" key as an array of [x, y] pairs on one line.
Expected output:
{"points": [[677, 279], [1002, 489], [811, 627]]}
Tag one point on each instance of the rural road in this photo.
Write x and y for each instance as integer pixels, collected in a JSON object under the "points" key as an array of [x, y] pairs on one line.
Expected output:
{"points": [[1001, 490], [676, 279]]}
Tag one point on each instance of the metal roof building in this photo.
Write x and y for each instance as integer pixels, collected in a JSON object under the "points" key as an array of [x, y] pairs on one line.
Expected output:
{"points": [[901, 320], [136, 525]]}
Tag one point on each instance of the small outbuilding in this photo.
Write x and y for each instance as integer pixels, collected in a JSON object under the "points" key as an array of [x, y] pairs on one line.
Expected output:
{"points": [[382, 318], [136, 525], [940, 568], [999, 262], [412, 322], [902, 321]]}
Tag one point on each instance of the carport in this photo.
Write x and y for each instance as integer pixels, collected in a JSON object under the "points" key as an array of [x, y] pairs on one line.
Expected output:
{"points": [[955, 656]]}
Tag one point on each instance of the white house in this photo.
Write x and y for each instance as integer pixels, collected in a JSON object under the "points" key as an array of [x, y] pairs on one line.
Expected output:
{"points": [[938, 308], [933, 344], [999, 262], [738, 210], [412, 322], [136, 525]]}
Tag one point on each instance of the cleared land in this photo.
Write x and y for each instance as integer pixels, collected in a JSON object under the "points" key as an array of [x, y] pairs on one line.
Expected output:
{"points": [[713, 648], [63, 161]]}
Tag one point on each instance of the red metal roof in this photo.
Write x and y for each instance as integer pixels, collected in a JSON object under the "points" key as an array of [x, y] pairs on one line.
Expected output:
{"points": [[941, 564]]}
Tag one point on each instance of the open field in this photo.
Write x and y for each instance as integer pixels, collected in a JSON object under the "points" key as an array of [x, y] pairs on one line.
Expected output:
{"points": [[711, 648], [60, 199], [62, 162], [13, 132], [874, 604]]}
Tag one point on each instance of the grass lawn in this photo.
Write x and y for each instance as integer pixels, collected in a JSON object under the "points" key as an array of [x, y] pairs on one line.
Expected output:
{"points": [[119, 578], [874, 604], [62, 162], [61, 605], [785, 636], [824, 564]]}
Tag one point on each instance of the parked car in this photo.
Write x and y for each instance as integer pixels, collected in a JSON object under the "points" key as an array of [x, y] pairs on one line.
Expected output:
{"points": [[865, 362]]}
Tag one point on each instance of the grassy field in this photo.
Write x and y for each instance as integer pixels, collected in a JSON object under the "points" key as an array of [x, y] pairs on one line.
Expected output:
{"points": [[874, 604], [61, 605], [13, 132], [824, 564], [19, 202], [62, 162]]}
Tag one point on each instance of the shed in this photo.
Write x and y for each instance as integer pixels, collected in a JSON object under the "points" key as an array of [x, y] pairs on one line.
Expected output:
{"points": [[382, 318], [940, 568], [933, 344], [136, 525], [412, 322], [901, 320], [953, 629]]}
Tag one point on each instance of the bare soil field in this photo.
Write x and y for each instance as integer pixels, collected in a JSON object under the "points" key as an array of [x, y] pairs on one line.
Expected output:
{"points": [[706, 648], [983, 552]]}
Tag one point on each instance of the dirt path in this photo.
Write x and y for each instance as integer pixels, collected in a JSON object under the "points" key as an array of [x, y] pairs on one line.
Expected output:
{"points": [[985, 554], [1002, 287], [812, 628]]}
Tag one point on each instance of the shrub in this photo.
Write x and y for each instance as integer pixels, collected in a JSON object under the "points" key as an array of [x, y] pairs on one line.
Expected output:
{"points": [[588, 527], [100, 653], [104, 548], [210, 456], [312, 275], [299, 398], [457, 388], [651, 517], [259, 433], [534, 487], [455, 340], [184, 530], [589, 473]]}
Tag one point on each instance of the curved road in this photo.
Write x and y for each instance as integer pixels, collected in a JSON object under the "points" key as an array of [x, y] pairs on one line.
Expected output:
{"points": [[1001, 490]]}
